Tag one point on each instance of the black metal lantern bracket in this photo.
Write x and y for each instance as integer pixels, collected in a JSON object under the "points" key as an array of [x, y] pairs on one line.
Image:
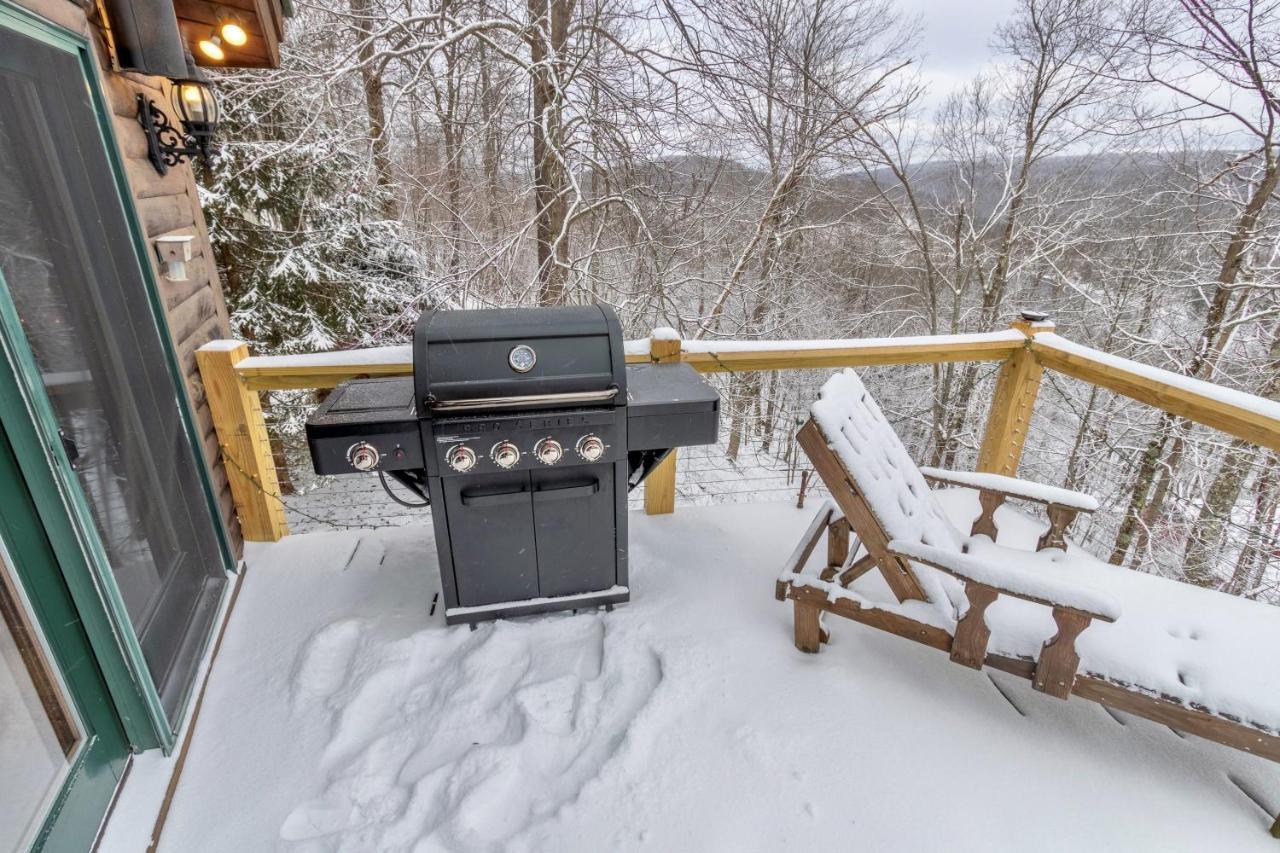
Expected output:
{"points": [[166, 146]]}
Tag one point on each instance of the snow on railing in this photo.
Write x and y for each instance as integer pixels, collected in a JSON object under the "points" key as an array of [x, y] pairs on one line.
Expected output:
{"points": [[327, 369], [1248, 416]]}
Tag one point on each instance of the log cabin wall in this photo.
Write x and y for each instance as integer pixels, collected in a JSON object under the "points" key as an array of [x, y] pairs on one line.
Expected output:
{"points": [[166, 205]]}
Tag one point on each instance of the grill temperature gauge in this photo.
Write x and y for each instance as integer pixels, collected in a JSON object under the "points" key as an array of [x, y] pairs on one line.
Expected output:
{"points": [[590, 447], [505, 454], [549, 451], [461, 458]]}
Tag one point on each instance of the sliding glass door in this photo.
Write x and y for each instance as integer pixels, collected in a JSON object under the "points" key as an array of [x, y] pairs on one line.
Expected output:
{"points": [[80, 325]]}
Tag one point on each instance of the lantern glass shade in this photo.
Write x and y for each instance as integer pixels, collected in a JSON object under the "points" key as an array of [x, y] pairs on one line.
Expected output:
{"points": [[195, 105]]}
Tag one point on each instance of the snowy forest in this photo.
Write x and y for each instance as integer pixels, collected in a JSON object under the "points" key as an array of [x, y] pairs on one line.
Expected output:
{"points": [[780, 169]]}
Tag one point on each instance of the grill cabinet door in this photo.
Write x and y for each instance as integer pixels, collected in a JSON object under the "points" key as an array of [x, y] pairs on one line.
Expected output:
{"points": [[573, 511], [491, 537]]}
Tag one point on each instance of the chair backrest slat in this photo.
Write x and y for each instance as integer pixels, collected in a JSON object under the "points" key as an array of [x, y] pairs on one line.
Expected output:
{"points": [[876, 483], [879, 465]]}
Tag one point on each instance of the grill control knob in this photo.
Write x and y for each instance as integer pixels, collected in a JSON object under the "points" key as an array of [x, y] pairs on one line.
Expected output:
{"points": [[363, 456], [505, 454], [590, 447], [549, 451], [461, 458]]}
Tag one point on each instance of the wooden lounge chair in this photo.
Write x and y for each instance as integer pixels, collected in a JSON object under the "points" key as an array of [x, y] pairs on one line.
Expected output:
{"points": [[1199, 661]]}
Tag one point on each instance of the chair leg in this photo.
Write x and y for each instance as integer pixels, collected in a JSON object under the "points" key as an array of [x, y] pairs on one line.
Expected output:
{"points": [[808, 627]]}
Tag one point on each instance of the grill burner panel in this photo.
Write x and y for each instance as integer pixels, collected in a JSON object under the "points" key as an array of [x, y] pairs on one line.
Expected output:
{"points": [[524, 430], [379, 412], [498, 427]]}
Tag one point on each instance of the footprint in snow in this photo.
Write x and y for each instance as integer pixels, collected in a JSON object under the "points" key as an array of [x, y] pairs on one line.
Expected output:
{"points": [[325, 662], [462, 744]]}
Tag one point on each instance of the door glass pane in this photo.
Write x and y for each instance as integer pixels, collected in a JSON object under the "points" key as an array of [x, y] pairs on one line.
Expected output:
{"points": [[38, 733], [67, 259]]}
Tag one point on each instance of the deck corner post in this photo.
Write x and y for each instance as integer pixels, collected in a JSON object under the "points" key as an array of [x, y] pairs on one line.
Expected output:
{"points": [[242, 441], [1017, 385], [660, 485]]}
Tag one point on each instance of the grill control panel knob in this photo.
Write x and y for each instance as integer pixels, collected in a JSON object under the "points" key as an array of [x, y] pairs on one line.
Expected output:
{"points": [[505, 454], [549, 451], [590, 447], [363, 456], [461, 458]]}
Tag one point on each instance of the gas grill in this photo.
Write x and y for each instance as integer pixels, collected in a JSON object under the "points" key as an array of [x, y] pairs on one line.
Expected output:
{"points": [[523, 429]]}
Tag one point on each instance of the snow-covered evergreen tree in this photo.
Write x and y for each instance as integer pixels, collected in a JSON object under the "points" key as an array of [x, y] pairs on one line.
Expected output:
{"points": [[308, 260]]}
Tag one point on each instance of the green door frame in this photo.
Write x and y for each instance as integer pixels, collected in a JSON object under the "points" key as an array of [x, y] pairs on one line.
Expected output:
{"points": [[28, 417], [76, 813]]}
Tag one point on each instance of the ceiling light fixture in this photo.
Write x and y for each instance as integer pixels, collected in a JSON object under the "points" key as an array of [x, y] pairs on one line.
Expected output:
{"points": [[211, 47], [233, 32]]}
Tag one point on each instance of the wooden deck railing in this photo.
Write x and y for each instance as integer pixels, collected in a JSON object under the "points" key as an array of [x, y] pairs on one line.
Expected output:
{"points": [[233, 378]]}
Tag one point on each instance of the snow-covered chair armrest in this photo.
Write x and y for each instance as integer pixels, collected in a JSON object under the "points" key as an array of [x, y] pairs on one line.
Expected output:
{"points": [[1013, 487], [1061, 505], [1038, 585], [1074, 606]]}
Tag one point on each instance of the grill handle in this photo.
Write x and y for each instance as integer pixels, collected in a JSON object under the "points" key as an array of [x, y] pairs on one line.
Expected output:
{"points": [[523, 400], [581, 490], [481, 499]]}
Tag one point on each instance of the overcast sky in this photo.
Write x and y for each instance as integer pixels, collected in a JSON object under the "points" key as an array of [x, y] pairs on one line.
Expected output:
{"points": [[956, 38]]}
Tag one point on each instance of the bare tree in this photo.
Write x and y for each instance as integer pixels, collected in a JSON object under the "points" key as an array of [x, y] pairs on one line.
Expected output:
{"points": [[1218, 65]]}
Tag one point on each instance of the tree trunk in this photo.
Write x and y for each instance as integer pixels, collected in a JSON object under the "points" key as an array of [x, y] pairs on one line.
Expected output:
{"points": [[1082, 434], [959, 414], [550, 20], [492, 135], [1252, 562], [451, 130], [371, 79], [1153, 512], [1223, 493], [769, 421], [1203, 546], [1141, 489], [737, 404], [1213, 339]]}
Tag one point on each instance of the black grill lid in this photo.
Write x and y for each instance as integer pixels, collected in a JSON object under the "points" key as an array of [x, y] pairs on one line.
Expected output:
{"points": [[465, 357]]}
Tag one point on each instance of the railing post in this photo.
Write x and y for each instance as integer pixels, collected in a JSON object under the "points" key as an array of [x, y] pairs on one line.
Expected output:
{"points": [[1016, 388], [242, 439], [660, 485]]}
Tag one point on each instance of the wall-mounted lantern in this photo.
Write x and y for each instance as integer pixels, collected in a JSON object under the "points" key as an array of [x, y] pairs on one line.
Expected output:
{"points": [[194, 104]]}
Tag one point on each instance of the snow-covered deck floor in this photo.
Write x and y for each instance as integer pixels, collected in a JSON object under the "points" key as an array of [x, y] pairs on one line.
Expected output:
{"points": [[341, 716]]}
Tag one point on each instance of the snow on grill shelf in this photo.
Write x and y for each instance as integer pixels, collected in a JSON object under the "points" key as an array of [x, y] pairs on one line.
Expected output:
{"points": [[342, 716]]}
